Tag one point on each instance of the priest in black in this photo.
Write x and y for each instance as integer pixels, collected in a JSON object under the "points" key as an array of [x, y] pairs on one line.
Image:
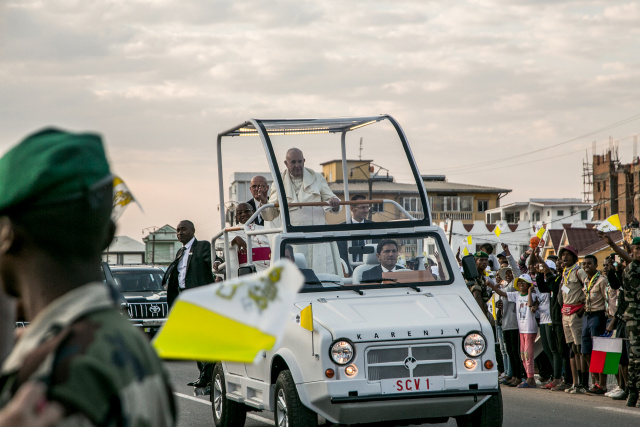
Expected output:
{"points": [[359, 214]]}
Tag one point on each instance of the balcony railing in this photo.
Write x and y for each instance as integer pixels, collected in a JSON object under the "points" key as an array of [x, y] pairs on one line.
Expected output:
{"points": [[453, 215]]}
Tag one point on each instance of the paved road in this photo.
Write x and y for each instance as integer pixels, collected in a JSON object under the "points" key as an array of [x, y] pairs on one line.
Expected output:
{"points": [[522, 407]]}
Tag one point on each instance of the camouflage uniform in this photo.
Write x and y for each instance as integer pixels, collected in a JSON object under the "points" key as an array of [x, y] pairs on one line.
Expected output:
{"points": [[479, 284], [632, 317], [94, 363]]}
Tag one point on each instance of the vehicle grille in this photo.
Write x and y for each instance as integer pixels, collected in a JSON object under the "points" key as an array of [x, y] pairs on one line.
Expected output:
{"points": [[145, 310], [410, 361]]}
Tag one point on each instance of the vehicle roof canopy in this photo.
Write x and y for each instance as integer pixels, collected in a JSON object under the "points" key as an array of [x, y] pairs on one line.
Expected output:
{"points": [[302, 126]]}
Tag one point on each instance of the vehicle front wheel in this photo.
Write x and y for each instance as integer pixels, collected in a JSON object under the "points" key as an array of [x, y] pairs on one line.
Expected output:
{"points": [[226, 413], [488, 415], [289, 411]]}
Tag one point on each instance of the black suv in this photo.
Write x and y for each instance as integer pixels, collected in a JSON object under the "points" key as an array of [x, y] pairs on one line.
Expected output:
{"points": [[141, 287]]}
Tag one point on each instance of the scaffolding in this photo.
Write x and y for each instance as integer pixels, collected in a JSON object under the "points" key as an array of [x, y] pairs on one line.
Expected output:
{"points": [[587, 178]]}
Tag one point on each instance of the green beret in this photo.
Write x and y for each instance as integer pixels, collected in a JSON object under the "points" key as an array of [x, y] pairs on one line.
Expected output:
{"points": [[52, 166], [481, 254], [635, 241]]}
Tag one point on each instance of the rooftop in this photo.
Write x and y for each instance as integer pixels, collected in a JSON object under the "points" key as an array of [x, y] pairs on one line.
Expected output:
{"points": [[430, 186], [616, 236]]}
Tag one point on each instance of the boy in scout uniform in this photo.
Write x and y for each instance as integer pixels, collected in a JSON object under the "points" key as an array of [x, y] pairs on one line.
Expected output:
{"points": [[55, 220]]}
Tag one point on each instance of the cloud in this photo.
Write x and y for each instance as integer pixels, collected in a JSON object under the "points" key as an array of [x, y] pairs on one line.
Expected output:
{"points": [[161, 78]]}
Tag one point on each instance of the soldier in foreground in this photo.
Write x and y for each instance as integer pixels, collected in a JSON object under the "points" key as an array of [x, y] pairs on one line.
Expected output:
{"points": [[631, 284], [55, 220]]}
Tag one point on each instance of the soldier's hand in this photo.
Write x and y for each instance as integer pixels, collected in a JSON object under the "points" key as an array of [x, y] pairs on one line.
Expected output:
{"points": [[29, 408]]}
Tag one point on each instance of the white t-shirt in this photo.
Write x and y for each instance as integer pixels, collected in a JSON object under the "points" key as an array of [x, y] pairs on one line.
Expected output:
{"points": [[526, 319], [544, 308]]}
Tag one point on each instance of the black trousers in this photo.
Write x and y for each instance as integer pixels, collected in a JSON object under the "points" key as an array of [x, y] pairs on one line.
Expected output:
{"points": [[512, 341], [563, 348], [206, 370]]}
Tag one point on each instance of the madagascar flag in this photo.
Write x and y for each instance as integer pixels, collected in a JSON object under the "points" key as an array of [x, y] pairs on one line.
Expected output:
{"points": [[605, 357]]}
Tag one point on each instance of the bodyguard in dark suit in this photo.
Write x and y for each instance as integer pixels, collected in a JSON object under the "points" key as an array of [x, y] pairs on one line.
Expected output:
{"points": [[191, 268], [359, 215], [387, 253], [259, 189]]}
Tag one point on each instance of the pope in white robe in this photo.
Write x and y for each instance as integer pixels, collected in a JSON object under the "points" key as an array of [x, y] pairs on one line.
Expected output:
{"points": [[303, 185]]}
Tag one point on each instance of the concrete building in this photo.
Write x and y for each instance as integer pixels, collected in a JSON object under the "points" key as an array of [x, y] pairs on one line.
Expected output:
{"points": [[161, 246], [550, 212], [124, 250], [448, 200]]}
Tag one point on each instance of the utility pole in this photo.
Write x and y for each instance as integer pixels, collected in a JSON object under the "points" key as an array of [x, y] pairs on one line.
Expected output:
{"points": [[152, 231]]}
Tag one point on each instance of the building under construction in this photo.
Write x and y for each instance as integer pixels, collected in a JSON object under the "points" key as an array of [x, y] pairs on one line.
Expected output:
{"points": [[616, 186]]}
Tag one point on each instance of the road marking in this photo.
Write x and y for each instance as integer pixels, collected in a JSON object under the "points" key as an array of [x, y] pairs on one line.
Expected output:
{"points": [[195, 399], [262, 419], [206, 402], [624, 411]]}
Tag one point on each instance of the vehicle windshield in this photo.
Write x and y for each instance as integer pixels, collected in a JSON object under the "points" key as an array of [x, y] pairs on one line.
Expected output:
{"points": [[132, 280], [361, 262]]}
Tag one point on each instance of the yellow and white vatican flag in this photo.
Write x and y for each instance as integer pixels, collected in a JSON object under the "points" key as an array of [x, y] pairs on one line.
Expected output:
{"points": [[540, 233], [498, 230], [122, 196], [232, 321], [610, 224]]}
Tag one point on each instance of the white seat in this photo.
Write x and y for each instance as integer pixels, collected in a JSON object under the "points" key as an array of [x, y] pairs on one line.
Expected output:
{"points": [[370, 261], [300, 260]]}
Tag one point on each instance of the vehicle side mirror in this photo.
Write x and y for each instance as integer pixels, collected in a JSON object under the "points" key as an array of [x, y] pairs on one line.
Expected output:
{"points": [[469, 267], [361, 250]]}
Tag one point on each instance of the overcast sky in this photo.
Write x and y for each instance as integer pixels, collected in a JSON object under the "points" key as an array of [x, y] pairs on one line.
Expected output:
{"points": [[469, 81]]}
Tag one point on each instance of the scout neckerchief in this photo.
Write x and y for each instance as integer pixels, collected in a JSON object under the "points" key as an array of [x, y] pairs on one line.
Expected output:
{"points": [[589, 286], [566, 273]]}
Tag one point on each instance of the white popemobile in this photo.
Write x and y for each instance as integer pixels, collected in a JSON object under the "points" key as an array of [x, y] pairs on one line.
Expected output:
{"points": [[406, 346]]}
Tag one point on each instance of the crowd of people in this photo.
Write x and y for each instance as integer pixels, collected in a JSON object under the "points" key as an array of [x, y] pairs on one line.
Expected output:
{"points": [[566, 303]]}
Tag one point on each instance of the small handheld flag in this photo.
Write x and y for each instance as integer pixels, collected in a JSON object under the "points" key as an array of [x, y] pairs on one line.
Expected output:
{"points": [[540, 233], [465, 251], [469, 240], [605, 356], [497, 230], [236, 320], [610, 224], [122, 196]]}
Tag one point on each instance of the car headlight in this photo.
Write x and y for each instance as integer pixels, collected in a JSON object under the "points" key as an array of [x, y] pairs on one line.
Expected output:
{"points": [[474, 344], [342, 352]]}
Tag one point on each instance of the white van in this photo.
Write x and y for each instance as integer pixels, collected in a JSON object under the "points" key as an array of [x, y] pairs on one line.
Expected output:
{"points": [[408, 345]]}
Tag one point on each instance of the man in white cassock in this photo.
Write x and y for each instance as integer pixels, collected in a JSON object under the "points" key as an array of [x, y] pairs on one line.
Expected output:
{"points": [[303, 185]]}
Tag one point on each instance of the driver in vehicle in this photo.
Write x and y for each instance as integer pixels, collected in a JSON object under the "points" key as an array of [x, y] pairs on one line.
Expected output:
{"points": [[304, 185], [387, 254]]}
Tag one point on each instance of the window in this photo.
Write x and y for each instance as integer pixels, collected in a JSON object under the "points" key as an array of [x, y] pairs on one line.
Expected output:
{"points": [[513, 217], [605, 213], [411, 204], [466, 203], [560, 213], [598, 186], [483, 205], [584, 215], [377, 207], [548, 213], [535, 216], [451, 203]]}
